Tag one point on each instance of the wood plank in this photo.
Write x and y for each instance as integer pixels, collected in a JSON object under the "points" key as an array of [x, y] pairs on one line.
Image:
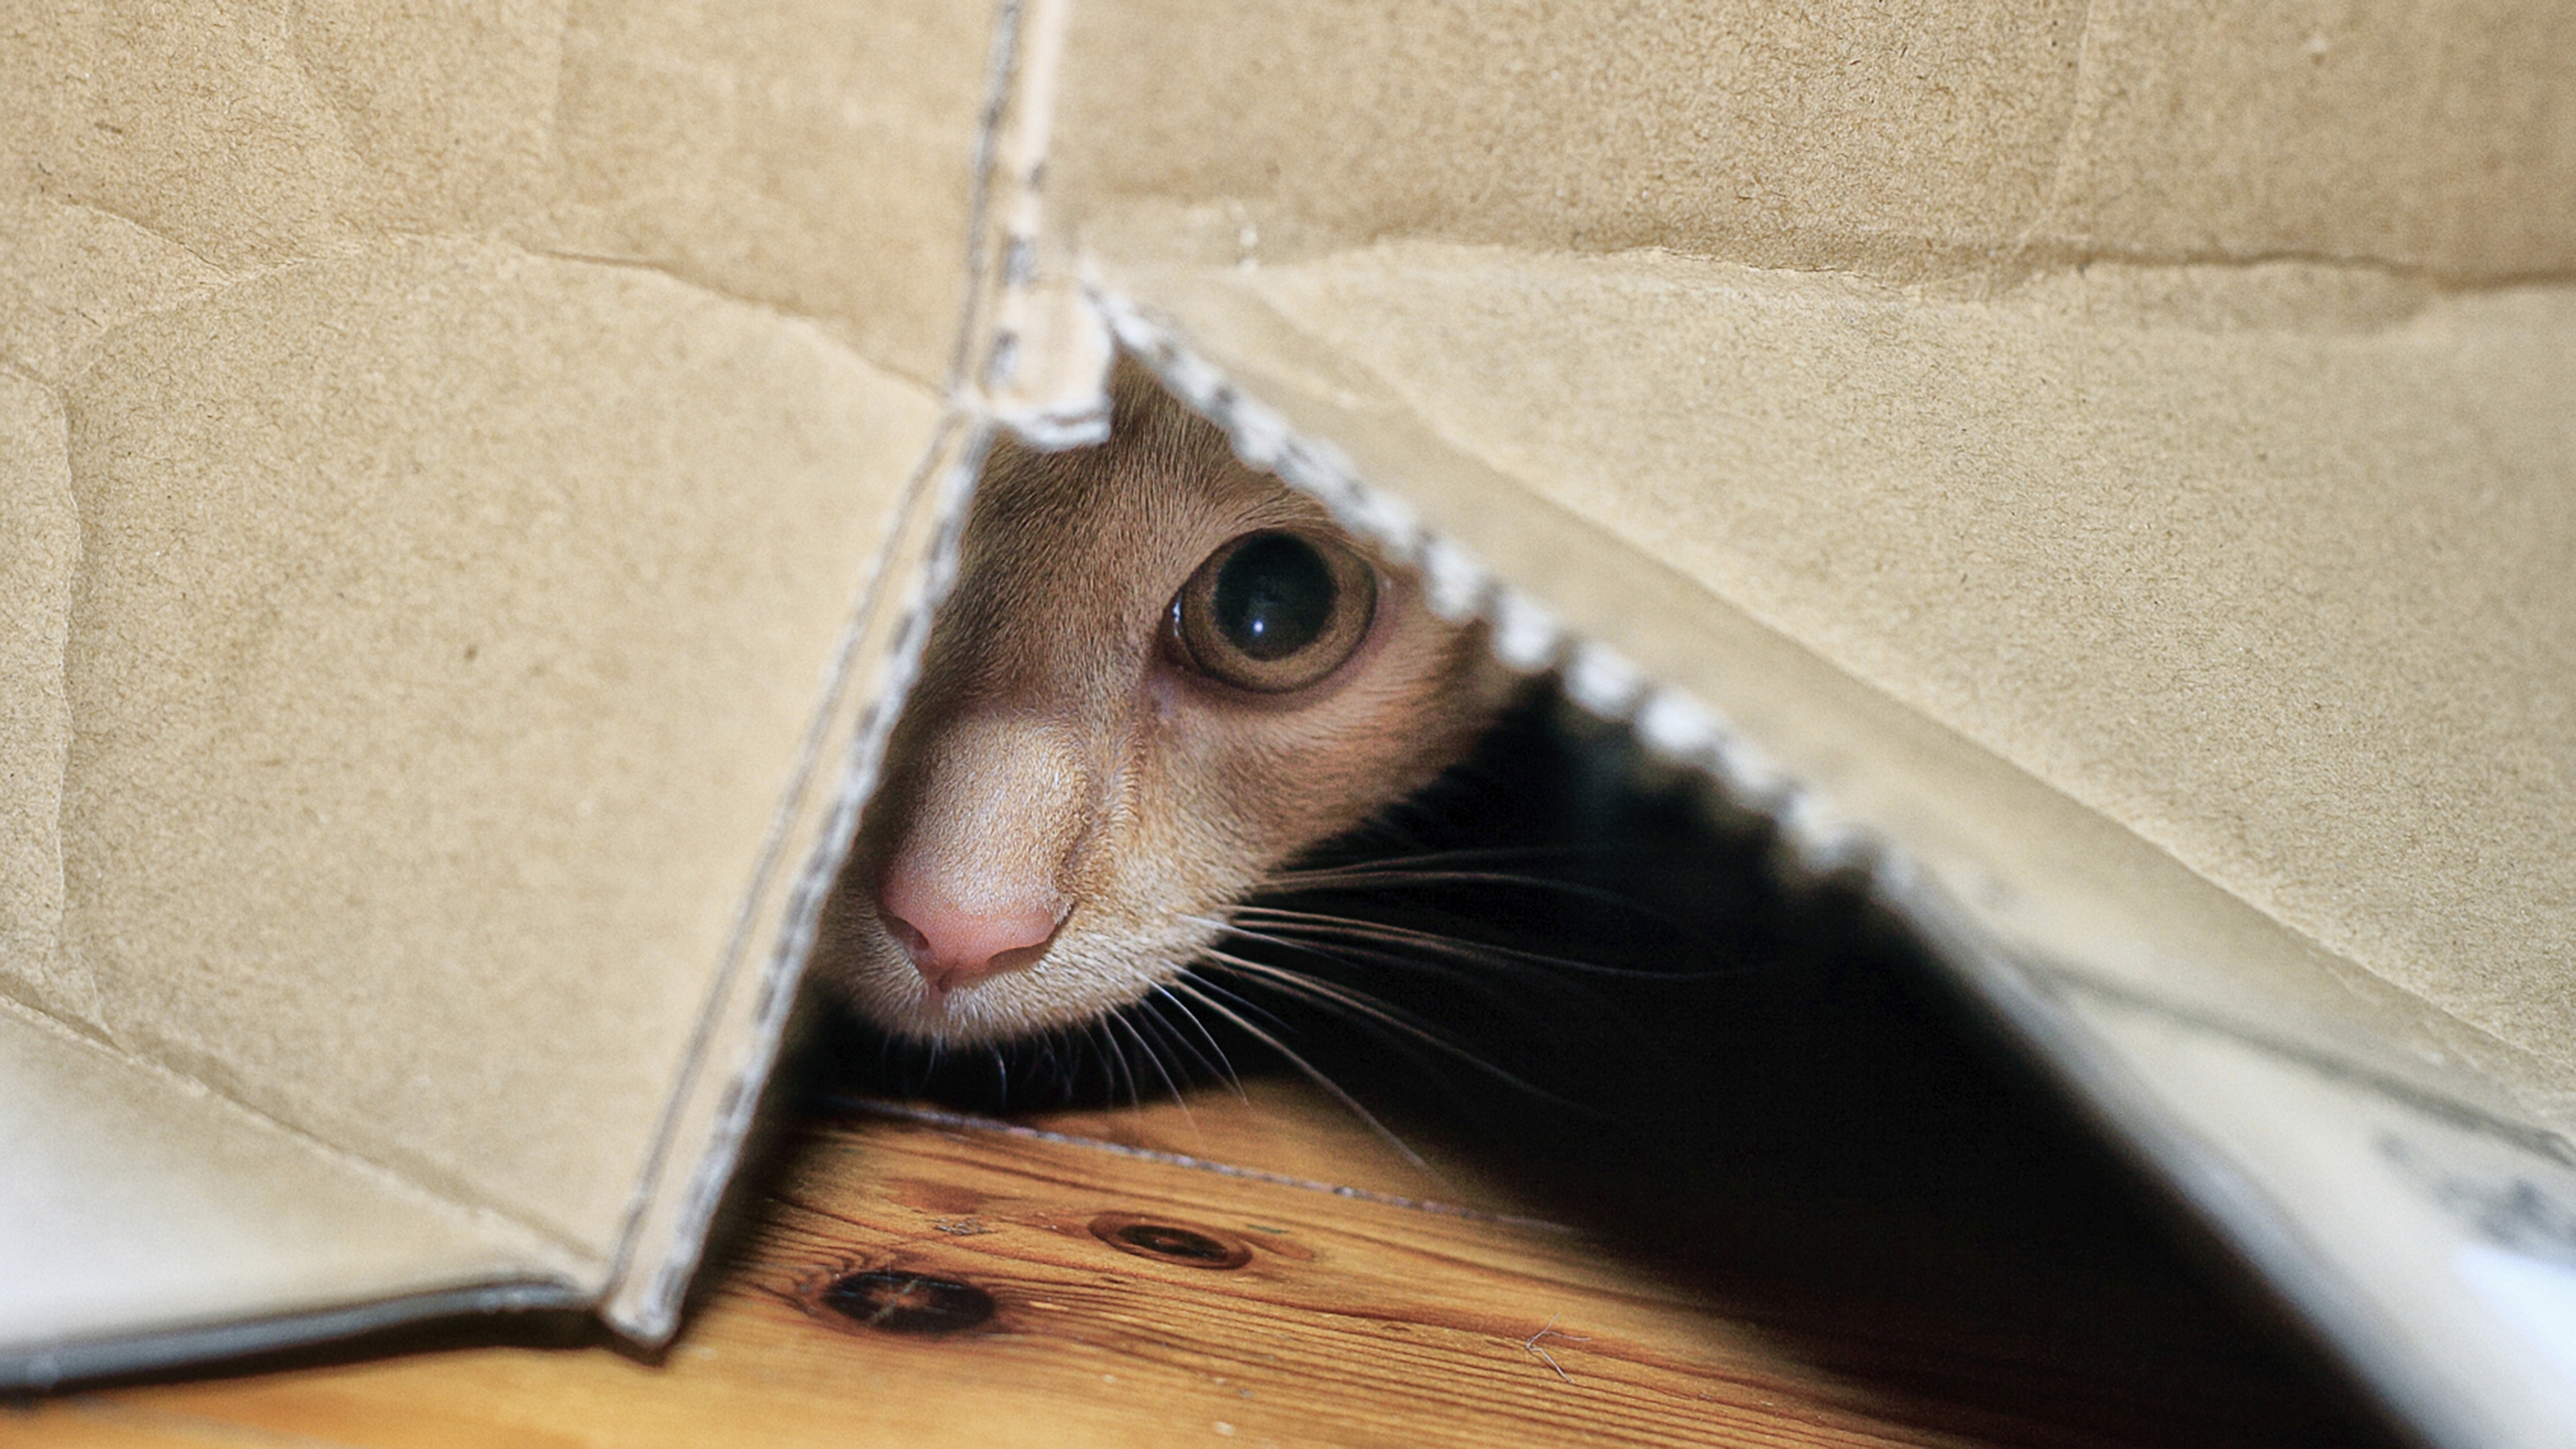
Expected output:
{"points": [[1258, 1271]]}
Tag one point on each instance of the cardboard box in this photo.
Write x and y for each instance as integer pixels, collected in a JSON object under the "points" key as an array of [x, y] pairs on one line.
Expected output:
{"points": [[475, 479]]}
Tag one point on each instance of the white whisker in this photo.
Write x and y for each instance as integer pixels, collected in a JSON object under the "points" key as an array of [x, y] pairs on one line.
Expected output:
{"points": [[1115, 1059], [1153, 1059], [1221, 1067], [1353, 928], [1364, 877], [1331, 994], [1472, 854], [1345, 950], [1200, 993]]}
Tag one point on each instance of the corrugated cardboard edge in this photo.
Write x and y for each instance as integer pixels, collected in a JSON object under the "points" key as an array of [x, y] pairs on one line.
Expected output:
{"points": [[1041, 365], [1041, 369], [2228, 1204], [2029, 1004], [712, 1107], [709, 1109], [711, 1116], [1033, 354]]}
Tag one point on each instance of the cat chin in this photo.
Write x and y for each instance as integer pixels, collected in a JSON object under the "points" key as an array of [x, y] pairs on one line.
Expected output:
{"points": [[1085, 976]]}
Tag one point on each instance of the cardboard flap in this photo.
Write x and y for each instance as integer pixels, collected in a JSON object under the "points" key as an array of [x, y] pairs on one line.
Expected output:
{"points": [[475, 480], [2138, 543], [2172, 407], [1929, 143], [2325, 1108], [151, 1223], [476, 472], [432, 695], [2128, 637]]}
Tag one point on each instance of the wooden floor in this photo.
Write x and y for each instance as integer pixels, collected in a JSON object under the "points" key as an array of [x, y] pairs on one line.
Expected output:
{"points": [[1254, 1271]]}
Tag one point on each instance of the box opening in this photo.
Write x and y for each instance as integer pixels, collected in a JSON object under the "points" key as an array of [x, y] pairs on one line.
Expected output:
{"points": [[1578, 970]]}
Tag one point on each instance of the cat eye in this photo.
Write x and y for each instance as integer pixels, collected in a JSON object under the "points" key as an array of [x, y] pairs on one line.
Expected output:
{"points": [[1273, 612]]}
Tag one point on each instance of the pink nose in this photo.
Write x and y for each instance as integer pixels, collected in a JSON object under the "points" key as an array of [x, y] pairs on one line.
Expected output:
{"points": [[955, 946]]}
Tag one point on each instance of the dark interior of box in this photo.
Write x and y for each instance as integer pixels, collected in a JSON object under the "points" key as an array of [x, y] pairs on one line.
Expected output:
{"points": [[1611, 990]]}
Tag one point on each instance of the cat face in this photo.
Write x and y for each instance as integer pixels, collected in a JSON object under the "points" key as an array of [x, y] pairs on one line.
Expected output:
{"points": [[1160, 675]]}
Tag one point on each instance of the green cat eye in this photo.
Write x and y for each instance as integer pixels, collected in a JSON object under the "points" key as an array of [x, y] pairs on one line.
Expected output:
{"points": [[1275, 611]]}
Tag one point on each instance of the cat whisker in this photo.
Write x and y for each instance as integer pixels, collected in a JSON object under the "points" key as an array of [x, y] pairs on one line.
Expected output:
{"points": [[1403, 1043], [1478, 854], [929, 1066], [1361, 1004], [1154, 1059], [1201, 992], [1135, 1078], [1385, 876], [1115, 1058], [1342, 950], [1221, 1068], [1320, 924], [1240, 1002], [1079, 1052], [1316, 989]]}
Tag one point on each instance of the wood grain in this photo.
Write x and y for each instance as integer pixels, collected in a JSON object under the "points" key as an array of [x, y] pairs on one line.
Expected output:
{"points": [[1241, 1271]]}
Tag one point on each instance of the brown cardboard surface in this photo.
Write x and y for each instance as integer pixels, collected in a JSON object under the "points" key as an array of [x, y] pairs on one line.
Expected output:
{"points": [[2029, 890], [38, 518], [2105, 469], [2160, 424], [730, 150], [449, 457], [531, 667], [797, 154], [2105, 472], [2284, 595], [1916, 142]]}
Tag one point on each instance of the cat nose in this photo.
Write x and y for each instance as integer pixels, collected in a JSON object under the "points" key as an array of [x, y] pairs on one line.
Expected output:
{"points": [[954, 946]]}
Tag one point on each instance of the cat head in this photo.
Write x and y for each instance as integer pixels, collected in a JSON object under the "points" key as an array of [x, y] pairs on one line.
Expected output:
{"points": [[1160, 675]]}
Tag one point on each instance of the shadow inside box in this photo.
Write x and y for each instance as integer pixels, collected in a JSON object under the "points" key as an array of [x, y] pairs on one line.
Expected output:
{"points": [[1847, 1157], [1582, 975]]}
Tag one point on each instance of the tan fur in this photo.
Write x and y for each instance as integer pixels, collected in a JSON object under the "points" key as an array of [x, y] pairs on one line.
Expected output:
{"points": [[1054, 744]]}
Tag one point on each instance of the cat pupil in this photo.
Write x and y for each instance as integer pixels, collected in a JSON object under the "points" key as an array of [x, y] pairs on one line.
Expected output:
{"points": [[1274, 597]]}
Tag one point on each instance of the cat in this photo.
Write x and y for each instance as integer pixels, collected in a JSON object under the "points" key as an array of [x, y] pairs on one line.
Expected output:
{"points": [[1186, 771], [1159, 677], [1180, 749]]}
